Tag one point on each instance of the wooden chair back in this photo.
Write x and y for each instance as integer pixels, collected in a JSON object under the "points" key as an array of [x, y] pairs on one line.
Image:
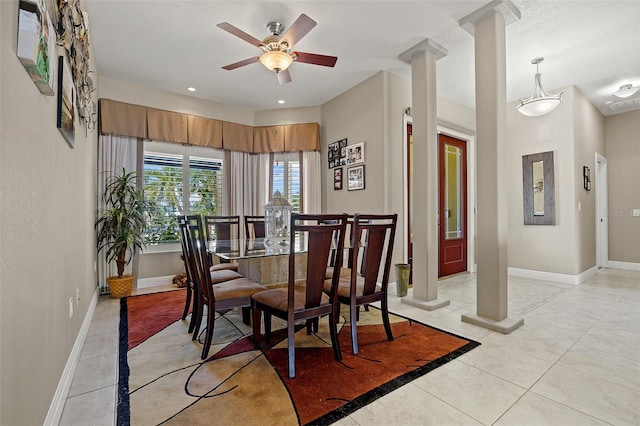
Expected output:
{"points": [[326, 233], [254, 226], [373, 239]]}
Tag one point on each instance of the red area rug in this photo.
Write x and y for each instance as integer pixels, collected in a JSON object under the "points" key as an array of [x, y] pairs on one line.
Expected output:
{"points": [[240, 385]]}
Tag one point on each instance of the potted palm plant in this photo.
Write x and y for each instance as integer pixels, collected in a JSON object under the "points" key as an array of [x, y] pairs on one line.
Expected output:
{"points": [[121, 227]]}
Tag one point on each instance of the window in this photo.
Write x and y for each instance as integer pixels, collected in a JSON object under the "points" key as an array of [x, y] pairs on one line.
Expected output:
{"points": [[286, 178], [180, 180]]}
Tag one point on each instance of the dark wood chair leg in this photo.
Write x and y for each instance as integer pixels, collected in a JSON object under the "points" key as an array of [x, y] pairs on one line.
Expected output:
{"points": [[291, 344], [196, 327], [195, 312], [358, 313], [385, 319], [211, 320], [267, 327], [333, 331], [187, 303], [246, 315], [354, 312], [257, 313]]}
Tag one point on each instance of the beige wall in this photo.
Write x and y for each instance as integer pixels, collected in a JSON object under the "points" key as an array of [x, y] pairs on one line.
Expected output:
{"points": [[288, 116], [373, 111], [548, 248], [574, 132], [168, 262], [588, 124], [125, 91], [622, 133], [47, 244]]}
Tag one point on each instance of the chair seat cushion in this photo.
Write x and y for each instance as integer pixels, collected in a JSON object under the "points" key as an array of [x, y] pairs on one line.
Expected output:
{"points": [[344, 272], [344, 287], [224, 275], [277, 298], [236, 289], [224, 266]]}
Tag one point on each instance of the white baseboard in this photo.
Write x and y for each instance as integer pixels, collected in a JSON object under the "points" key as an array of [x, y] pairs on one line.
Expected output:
{"points": [[623, 265], [60, 397], [551, 276], [154, 281]]}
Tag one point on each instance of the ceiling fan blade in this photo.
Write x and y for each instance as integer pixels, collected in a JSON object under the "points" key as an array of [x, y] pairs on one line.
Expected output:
{"points": [[284, 77], [241, 63], [298, 29], [239, 33], [312, 58]]}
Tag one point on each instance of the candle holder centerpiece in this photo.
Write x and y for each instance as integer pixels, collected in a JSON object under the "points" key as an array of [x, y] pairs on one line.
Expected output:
{"points": [[277, 217]]}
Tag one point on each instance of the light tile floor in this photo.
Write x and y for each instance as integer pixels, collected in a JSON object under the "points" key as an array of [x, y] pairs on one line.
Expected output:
{"points": [[575, 361]]}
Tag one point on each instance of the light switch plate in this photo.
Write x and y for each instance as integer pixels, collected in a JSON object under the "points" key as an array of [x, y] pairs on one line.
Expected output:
{"points": [[636, 212]]}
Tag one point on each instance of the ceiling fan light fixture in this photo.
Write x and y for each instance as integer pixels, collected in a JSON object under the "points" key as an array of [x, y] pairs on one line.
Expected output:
{"points": [[625, 91], [276, 61], [540, 102]]}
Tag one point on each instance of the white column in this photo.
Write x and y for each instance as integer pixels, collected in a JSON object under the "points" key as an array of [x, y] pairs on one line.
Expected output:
{"points": [[487, 25], [422, 58]]}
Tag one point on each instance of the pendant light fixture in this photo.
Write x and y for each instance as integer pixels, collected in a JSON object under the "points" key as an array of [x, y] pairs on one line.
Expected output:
{"points": [[625, 91], [540, 102]]}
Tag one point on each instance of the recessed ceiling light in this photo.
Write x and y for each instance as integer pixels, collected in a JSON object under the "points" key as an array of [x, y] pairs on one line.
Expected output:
{"points": [[281, 101], [625, 91], [191, 89]]}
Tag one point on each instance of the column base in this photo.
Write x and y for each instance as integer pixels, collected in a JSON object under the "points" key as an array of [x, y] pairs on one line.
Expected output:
{"points": [[430, 305], [505, 326]]}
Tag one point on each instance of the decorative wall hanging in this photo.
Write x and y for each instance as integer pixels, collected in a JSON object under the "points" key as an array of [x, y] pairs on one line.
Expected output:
{"points": [[586, 178], [355, 153], [337, 153], [337, 179], [37, 44], [538, 188], [74, 36], [66, 101], [355, 176]]}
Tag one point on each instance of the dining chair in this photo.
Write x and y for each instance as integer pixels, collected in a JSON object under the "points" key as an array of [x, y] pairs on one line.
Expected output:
{"points": [[220, 297], [254, 226], [192, 289], [372, 243], [222, 228], [304, 300]]}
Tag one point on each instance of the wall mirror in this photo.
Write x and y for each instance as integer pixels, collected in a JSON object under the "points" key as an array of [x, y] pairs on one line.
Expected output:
{"points": [[538, 188]]}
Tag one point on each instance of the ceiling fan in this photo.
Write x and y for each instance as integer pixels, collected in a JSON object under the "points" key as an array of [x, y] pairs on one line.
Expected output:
{"points": [[277, 55]]}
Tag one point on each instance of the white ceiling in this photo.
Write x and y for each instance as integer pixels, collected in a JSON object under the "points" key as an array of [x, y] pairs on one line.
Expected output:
{"points": [[174, 44]]}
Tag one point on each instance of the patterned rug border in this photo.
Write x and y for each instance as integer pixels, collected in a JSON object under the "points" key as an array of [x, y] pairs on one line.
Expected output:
{"points": [[124, 409]]}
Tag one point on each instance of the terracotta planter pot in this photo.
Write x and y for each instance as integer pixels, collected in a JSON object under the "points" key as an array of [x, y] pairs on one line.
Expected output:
{"points": [[120, 287]]}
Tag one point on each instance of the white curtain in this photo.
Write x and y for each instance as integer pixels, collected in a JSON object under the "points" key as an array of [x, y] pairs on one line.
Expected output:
{"points": [[312, 182], [249, 189], [236, 172], [114, 154]]}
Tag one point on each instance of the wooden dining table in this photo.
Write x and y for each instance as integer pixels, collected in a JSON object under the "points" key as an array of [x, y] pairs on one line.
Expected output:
{"points": [[267, 264]]}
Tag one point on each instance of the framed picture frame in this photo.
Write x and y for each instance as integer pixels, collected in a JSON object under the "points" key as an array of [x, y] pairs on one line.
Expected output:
{"points": [[355, 178], [37, 45], [337, 179], [355, 153], [66, 112], [538, 189], [336, 153]]}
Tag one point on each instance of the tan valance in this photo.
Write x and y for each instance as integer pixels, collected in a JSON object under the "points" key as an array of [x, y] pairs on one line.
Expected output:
{"points": [[237, 137], [205, 131], [122, 119], [302, 137], [268, 139], [166, 126]]}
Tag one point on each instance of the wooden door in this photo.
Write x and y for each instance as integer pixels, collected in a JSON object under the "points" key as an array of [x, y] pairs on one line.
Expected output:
{"points": [[452, 167]]}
